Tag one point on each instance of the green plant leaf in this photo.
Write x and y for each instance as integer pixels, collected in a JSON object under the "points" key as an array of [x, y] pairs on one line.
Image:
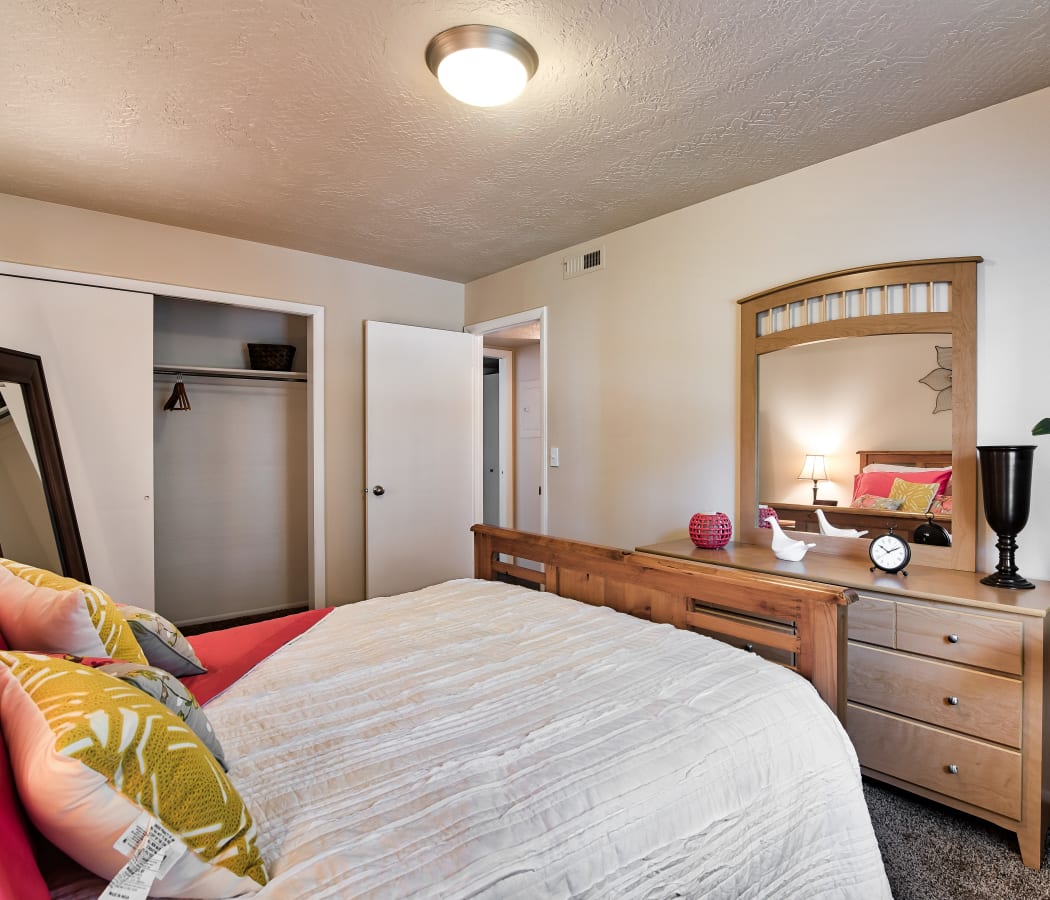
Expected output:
{"points": [[1042, 427]]}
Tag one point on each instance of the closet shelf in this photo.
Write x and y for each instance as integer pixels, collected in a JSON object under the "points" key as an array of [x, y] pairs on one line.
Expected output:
{"points": [[211, 372]]}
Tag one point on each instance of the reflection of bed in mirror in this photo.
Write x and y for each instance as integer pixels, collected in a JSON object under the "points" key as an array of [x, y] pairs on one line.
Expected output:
{"points": [[803, 517]]}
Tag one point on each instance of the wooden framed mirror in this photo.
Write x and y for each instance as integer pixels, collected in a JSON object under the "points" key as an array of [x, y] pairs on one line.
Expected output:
{"points": [[834, 365], [38, 524]]}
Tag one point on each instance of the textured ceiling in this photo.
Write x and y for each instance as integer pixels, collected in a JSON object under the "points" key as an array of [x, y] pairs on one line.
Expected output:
{"points": [[315, 124]]}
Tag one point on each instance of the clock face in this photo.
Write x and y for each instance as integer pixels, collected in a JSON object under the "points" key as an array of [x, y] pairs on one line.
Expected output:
{"points": [[889, 552]]}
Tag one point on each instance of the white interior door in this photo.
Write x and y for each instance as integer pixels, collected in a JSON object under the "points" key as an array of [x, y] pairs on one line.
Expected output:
{"points": [[422, 440]]}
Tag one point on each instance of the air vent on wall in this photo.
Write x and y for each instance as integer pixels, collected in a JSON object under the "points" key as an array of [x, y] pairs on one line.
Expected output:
{"points": [[591, 261]]}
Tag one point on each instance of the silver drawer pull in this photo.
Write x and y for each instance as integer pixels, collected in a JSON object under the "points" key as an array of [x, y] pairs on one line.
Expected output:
{"points": [[953, 639], [953, 769], [953, 701], [749, 647]]}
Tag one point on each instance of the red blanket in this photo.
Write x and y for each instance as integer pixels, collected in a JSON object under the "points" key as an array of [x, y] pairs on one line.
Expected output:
{"points": [[230, 653]]}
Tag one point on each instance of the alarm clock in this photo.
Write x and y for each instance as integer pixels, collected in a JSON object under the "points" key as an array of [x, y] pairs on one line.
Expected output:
{"points": [[932, 533], [889, 553]]}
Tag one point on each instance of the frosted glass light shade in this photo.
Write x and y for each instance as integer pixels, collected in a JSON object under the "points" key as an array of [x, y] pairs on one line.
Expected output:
{"points": [[481, 64]]}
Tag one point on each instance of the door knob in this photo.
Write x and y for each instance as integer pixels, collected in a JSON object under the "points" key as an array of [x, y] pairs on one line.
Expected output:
{"points": [[379, 490]]}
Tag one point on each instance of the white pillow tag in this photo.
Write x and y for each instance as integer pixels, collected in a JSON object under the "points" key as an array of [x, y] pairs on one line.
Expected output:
{"points": [[154, 851], [136, 832]]}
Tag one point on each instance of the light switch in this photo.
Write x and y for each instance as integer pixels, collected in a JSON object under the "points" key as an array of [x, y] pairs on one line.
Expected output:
{"points": [[554, 456]]}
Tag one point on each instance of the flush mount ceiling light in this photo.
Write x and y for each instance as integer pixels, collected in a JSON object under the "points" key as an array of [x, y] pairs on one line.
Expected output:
{"points": [[482, 65]]}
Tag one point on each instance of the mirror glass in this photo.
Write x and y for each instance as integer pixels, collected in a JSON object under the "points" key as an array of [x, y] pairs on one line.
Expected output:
{"points": [[839, 396], [26, 534]]}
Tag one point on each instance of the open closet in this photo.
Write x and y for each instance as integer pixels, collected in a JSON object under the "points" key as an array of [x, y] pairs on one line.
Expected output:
{"points": [[231, 481]]}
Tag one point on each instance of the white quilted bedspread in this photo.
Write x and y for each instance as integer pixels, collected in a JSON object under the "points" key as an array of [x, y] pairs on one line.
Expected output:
{"points": [[479, 740]]}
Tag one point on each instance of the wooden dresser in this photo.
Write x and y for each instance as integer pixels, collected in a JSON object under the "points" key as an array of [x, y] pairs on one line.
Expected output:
{"points": [[945, 683]]}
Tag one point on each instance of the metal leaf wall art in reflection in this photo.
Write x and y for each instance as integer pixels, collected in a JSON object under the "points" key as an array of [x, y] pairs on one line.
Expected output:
{"points": [[940, 380]]}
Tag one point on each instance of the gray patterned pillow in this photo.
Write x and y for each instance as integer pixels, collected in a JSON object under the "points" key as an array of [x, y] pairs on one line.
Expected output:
{"points": [[166, 688], [162, 643]]}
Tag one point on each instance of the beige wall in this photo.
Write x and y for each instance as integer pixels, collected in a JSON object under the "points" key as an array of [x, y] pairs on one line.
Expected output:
{"points": [[643, 354], [528, 452], [45, 234]]}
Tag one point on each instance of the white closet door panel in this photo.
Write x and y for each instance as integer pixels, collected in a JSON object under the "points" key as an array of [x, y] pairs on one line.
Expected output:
{"points": [[96, 345]]}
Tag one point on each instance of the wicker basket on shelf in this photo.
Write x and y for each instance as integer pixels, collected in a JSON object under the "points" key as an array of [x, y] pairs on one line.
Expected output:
{"points": [[710, 530], [271, 357]]}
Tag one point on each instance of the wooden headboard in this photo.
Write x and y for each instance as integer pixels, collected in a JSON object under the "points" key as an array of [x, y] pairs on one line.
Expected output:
{"points": [[927, 459], [810, 620]]}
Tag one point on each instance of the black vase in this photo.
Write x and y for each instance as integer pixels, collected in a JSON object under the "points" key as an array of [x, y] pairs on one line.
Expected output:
{"points": [[1006, 474]]}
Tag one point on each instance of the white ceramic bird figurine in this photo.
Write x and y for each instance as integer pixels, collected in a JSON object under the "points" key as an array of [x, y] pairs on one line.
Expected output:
{"points": [[827, 528], [785, 547]]}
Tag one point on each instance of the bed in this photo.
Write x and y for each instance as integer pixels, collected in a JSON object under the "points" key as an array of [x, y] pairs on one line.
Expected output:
{"points": [[874, 520], [480, 738]]}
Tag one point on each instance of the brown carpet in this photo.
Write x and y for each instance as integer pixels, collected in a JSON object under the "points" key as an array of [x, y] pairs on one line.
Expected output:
{"points": [[935, 853]]}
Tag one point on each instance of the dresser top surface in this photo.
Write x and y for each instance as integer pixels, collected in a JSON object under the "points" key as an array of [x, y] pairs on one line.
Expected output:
{"points": [[926, 582]]}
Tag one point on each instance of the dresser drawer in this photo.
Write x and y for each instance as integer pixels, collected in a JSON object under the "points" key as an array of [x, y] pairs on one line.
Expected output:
{"points": [[872, 620], [960, 637], [984, 775], [977, 703]]}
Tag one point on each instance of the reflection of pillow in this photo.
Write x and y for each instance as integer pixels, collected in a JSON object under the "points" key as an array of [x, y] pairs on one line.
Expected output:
{"points": [[166, 688], [162, 643], [870, 501], [881, 483], [941, 506], [898, 467], [90, 755], [915, 498], [43, 611]]}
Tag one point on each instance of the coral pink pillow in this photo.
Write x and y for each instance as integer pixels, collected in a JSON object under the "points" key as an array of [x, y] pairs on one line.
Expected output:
{"points": [[881, 483]]}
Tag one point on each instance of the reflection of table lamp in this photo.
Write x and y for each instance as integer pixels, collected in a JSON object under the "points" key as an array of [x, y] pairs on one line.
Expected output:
{"points": [[813, 469]]}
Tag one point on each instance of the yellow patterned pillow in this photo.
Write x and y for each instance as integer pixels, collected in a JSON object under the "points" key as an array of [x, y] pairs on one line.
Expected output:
{"points": [[91, 753], [914, 497], [40, 610]]}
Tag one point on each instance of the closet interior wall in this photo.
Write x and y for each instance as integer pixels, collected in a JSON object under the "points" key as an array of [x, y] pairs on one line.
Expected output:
{"points": [[230, 473]]}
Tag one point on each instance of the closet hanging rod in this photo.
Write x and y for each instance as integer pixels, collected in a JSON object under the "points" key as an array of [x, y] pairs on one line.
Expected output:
{"points": [[209, 372]]}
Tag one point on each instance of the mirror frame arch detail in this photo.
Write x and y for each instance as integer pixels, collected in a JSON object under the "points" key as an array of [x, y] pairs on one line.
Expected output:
{"points": [[960, 320], [27, 370]]}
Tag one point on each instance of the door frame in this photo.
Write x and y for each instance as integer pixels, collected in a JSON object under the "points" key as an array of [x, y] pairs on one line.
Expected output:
{"points": [[315, 344], [523, 318]]}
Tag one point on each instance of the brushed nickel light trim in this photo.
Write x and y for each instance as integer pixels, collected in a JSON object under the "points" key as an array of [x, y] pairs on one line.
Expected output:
{"points": [[482, 37]]}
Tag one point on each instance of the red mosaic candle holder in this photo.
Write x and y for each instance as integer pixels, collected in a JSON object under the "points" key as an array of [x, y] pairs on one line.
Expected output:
{"points": [[710, 530], [765, 513]]}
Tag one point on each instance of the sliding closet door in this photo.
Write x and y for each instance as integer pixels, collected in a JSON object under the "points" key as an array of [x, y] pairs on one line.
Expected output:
{"points": [[96, 348]]}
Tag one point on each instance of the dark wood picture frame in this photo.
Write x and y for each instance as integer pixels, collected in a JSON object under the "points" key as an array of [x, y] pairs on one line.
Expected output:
{"points": [[27, 370]]}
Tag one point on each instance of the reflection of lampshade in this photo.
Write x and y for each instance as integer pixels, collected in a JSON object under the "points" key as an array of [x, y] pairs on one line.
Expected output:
{"points": [[813, 469]]}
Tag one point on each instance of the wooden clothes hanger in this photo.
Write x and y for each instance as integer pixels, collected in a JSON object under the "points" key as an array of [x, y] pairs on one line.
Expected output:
{"points": [[178, 399]]}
